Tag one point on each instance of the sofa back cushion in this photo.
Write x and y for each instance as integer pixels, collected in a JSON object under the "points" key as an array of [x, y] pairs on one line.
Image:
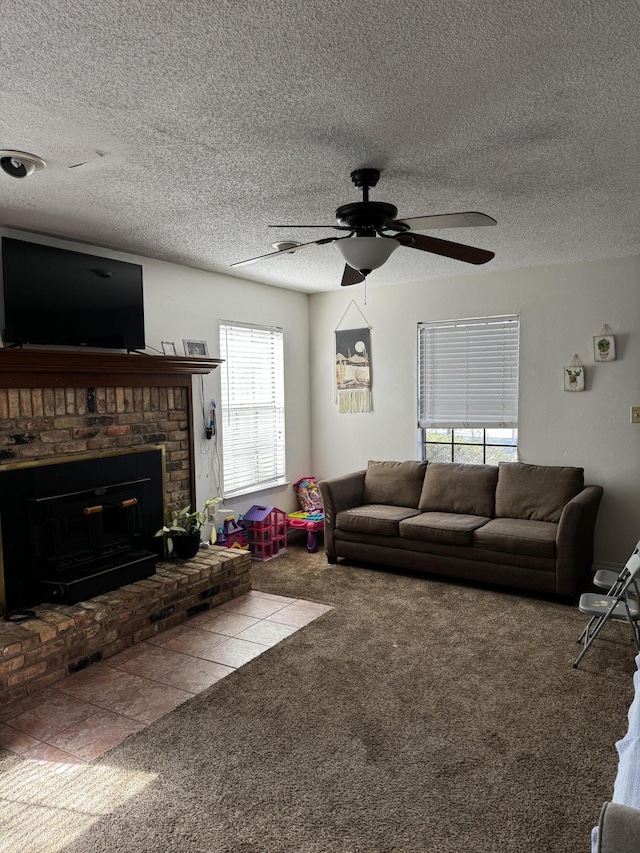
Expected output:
{"points": [[460, 488], [536, 492], [394, 483]]}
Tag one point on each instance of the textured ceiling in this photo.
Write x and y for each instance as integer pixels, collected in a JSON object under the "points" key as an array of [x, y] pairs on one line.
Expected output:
{"points": [[181, 130]]}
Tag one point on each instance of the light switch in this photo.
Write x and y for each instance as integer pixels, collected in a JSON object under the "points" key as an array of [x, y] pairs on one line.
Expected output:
{"points": [[635, 414]]}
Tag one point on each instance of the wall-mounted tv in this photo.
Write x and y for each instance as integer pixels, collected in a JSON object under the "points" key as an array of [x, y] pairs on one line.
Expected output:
{"points": [[57, 297]]}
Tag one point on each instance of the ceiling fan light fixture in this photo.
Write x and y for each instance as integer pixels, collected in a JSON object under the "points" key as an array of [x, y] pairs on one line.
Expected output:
{"points": [[366, 253], [286, 246]]}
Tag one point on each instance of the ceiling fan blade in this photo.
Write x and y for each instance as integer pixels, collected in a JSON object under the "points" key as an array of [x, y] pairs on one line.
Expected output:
{"points": [[339, 227], [457, 251], [284, 251], [351, 276], [470, 219]]}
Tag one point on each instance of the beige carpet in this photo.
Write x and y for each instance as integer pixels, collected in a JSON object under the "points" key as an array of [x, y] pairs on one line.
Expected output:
{"points": [[419, 715]]}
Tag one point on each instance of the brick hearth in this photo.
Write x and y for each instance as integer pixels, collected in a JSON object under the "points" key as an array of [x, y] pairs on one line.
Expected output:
{"points": [[63, 638]]}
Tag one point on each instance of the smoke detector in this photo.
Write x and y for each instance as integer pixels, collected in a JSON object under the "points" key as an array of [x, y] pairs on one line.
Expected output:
{"points": [[20, 164]]}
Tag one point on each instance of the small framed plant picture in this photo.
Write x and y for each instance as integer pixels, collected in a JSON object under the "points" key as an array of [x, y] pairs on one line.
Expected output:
{"points": [[195, 348], [574, 375], [604, 346], [169, 348]]}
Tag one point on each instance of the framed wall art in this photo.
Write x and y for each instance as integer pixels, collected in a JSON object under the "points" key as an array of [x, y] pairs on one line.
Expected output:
{"points": [[169, 348], [604, 345], [574, 375]]}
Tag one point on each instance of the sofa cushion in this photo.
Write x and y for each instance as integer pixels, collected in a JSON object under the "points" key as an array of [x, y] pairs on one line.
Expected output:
{"points": [[516, 536], [459, 488], [445, 528], [374, 518], [536, 492], [394, 483]]}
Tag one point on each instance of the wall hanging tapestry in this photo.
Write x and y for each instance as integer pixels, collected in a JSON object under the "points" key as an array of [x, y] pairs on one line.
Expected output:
{"points": [[353, 367]]}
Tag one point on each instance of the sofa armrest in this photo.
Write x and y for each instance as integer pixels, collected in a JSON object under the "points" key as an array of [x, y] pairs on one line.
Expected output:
{"points": [[574, 543], [618, 829], [337, 494]]}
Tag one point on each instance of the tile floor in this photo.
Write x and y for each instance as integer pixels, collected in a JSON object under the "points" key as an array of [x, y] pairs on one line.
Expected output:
{"points": [[85, 714]]}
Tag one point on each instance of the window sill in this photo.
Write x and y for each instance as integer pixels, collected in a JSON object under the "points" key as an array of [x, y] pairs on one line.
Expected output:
{"points": [[254, 490]]}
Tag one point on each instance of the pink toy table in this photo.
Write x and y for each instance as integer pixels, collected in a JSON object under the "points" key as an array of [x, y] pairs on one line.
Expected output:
{"points": [[311, 527]]}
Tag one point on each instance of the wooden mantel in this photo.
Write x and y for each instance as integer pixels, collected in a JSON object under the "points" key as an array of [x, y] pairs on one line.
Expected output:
{"points": [[33, 368]]}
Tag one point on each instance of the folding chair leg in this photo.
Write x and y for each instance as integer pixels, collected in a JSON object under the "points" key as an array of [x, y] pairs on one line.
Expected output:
{"points": [[635, 634], [585, 632], [589, 639], [635, 631]]}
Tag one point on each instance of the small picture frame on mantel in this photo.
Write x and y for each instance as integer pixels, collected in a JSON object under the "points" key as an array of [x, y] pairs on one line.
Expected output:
{"points": [[169, 348], [195, 348]]}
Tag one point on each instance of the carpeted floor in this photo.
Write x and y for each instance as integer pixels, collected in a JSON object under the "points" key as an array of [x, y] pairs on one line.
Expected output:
{"points": [[419, 715]]}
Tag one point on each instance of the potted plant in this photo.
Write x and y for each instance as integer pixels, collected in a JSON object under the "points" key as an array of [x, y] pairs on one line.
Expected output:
{"points": [[604, 345], [574, 375], [182, 536]]}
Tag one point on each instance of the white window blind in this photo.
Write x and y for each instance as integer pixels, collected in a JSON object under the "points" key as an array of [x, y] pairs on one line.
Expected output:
{"points": [[252, 378], [468, 373]]}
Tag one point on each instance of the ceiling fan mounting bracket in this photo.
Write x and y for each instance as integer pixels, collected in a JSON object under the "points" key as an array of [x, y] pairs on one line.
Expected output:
{"points": [[366, 215], [365, 177]]}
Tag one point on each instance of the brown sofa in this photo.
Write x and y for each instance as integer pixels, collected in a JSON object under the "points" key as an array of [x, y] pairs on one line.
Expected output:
{"points": [[519, 525]]}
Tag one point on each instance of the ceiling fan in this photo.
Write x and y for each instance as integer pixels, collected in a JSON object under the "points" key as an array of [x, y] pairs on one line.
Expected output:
{"points": [[374, 232]]}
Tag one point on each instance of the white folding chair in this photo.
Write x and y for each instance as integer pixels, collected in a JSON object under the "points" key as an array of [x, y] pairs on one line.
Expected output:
{"points": [[606, 579], [612, 581], [616, 604]]}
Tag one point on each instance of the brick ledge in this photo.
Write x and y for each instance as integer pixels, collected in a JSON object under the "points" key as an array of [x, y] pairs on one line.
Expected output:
{"points": [[40, 651]]}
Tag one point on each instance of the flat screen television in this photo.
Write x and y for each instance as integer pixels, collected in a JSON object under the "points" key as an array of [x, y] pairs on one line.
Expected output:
{"points": [[57, 297]]}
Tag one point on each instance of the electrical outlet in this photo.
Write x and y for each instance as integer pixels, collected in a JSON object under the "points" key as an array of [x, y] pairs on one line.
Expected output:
{"points": [[635, 414]]}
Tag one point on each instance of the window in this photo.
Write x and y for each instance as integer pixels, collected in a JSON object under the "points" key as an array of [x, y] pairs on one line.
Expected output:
{"points": [[252, 378], [468, 390]]}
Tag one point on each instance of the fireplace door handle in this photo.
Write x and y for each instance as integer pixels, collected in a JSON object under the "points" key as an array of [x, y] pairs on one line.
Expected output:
{"points": [[130, 502], [92, 510]]}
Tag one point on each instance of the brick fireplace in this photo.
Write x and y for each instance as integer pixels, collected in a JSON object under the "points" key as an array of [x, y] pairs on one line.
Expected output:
{"points": [[63, 405], [66, 403], [76, 526]]}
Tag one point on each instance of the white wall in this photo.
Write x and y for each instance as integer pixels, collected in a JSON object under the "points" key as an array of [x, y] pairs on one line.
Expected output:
{"points": [[179, 303], [561, 308], [186, 303]]}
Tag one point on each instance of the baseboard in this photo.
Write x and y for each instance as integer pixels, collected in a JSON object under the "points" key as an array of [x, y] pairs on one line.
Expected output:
{"points": [[610, 567]]}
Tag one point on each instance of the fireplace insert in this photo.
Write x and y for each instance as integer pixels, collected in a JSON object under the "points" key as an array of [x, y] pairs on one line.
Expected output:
{"points": [[76, 527]]}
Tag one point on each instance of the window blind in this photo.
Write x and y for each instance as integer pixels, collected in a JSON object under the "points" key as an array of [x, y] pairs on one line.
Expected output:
{"points": [[468, 373], [252, 380]]}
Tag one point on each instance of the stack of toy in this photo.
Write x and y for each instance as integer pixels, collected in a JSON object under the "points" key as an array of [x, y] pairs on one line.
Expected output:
{"points": [[311, 515]]}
